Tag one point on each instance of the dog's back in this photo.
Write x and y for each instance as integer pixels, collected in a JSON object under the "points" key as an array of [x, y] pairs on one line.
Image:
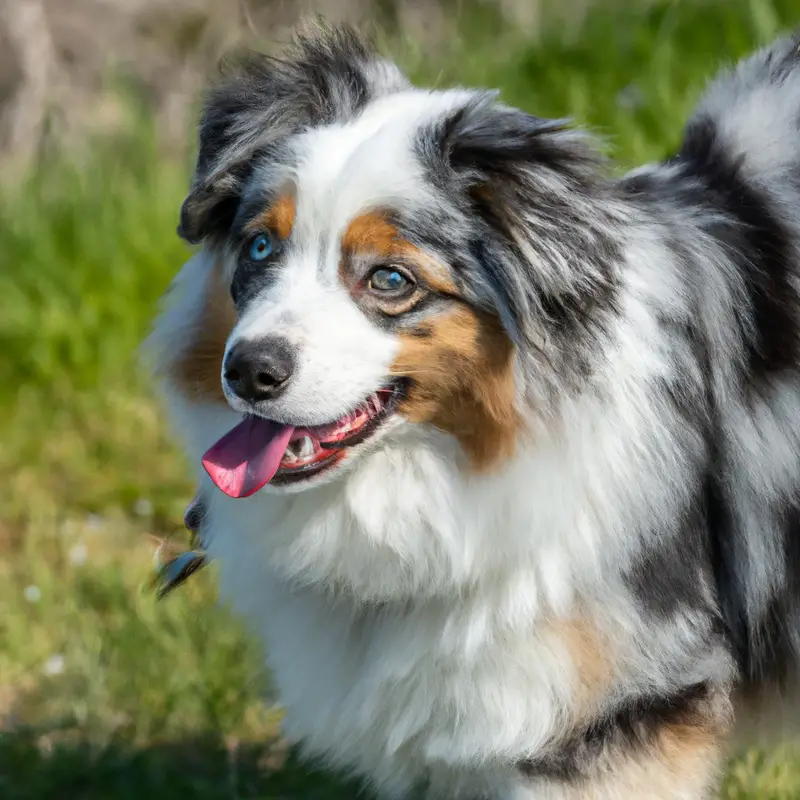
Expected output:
{"points": [[734, 188]]}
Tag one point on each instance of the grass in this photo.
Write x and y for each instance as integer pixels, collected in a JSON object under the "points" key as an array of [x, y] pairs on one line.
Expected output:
{"points": [[105, 693]]}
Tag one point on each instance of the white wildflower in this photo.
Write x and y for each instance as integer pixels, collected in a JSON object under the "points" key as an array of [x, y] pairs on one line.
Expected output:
{"points": [[33, 594], [54, 665], [78, 554]]}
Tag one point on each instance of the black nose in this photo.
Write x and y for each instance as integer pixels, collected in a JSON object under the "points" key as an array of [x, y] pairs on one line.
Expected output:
{"points": [[259, 369]]}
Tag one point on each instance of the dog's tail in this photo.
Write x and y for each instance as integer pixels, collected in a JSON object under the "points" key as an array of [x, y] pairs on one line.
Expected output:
{"points": [[753, 111]]}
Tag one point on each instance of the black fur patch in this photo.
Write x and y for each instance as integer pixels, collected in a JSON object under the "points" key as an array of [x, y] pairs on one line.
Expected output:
{"points": [[251, 277], [629, 728], [420, 332], [673, 576], [492, 139], [723, 546], [770, 656], [211, 208]]}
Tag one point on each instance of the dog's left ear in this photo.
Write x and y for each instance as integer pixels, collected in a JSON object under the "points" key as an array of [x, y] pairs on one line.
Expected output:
{"points": [[213, 201], [539, 191], [492, 143]]}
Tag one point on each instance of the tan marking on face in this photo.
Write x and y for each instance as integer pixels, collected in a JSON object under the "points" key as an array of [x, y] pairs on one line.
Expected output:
{"points": [[371, 236], [460, 363], [279, 217], [371, 233], [197, 371], [461, 367]]}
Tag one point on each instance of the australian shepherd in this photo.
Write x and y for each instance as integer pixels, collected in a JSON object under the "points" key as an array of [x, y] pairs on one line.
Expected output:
{"points": [[498, 453]]}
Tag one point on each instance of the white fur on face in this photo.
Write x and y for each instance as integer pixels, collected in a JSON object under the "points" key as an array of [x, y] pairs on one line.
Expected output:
{"points": [[341, 357], [342, 172]]}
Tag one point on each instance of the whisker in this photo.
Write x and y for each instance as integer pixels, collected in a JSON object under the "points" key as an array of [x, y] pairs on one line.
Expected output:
{"points": [[412, 372]]}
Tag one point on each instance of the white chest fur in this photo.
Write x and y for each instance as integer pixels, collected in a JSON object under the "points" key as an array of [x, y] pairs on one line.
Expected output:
{"points": [[415, 620], [397, 689]]}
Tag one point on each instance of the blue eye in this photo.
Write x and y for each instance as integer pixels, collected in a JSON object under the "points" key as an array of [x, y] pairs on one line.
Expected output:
{"points": [[261, 247], [388, 280]]}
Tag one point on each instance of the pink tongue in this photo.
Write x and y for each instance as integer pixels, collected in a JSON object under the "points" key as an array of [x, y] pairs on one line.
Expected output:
{"points": [[247, 457]]}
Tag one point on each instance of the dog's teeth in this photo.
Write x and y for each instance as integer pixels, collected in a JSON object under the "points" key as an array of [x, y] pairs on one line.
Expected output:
{"points": [[305, 447]]}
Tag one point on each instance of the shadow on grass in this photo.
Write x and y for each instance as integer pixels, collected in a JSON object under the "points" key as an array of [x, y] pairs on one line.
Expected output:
{"points": [[34, 766]]}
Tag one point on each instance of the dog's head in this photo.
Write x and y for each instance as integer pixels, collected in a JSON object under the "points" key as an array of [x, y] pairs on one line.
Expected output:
{"points": [[386, 257]]}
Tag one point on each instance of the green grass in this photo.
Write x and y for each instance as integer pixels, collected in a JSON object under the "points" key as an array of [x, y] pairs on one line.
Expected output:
{"points": [[105, 693]]}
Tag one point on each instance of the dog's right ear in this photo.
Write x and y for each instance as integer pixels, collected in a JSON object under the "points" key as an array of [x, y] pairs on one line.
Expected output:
{"points": [[241, 120], [211, 206], [328, 75]]}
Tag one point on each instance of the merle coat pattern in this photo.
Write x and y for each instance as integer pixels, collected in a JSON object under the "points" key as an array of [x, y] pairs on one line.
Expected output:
{"points": [[596, 609]]}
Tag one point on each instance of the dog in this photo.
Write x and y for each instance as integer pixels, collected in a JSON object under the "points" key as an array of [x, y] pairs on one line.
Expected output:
{"points": [[498, 454]]}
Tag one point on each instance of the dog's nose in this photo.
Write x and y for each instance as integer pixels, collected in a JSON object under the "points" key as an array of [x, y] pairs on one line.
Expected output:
{"points": [[259, 369]]}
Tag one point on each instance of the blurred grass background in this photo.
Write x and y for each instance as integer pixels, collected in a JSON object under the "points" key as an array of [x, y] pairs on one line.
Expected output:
{"points": [[103, 692]]}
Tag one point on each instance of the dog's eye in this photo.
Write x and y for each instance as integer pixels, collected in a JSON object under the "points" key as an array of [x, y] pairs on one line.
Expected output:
{"points": [[261, 247], [389, 281]]}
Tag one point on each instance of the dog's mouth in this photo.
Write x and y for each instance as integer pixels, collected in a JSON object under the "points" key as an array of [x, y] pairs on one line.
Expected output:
{"points": [[259, 451]]}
